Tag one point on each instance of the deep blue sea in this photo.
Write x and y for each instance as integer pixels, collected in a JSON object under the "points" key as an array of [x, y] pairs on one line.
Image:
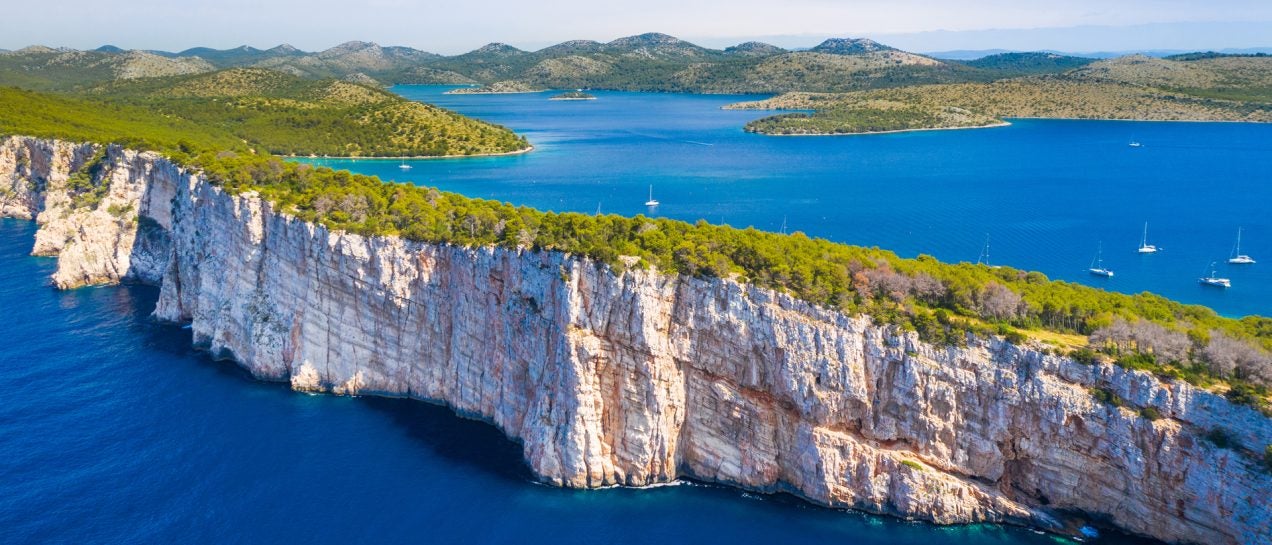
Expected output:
{"points": [[112, 430], [1047, 193]]}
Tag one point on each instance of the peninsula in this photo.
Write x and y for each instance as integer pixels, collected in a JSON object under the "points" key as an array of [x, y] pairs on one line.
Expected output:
{"points": [[637, 351], [616, 375]]}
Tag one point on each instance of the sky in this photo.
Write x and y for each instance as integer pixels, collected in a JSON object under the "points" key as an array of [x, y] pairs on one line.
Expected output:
{"points": [[456, 26]]}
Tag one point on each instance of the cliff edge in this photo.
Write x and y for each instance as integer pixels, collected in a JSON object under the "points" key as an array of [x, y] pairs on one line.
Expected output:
{"points": [[635, 377]]}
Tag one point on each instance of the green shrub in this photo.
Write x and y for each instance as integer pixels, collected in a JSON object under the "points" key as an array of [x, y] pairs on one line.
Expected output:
{"points": [[913, 465], [1150, 413], [1106, 397], [1222, 438], [1245, 393], [1138, 360], [1085, 356]]}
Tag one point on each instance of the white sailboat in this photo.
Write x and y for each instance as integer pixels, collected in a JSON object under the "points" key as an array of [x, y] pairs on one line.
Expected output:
{"points": [[1135, 144], [984, 255], [1239, 258], [1097, 264], [1212, 280], [651, 201], [404, 166], [1145, 247]]}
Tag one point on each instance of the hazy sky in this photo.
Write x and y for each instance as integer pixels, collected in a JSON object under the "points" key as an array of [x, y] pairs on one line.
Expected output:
{"points": [[455, 26]]}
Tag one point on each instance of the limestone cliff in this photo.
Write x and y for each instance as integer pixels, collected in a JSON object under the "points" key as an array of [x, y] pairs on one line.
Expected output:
{"points": [[635, 377]]}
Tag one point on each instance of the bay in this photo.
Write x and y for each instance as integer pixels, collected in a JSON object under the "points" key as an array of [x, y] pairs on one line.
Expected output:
{"points": [[1046, 193]]}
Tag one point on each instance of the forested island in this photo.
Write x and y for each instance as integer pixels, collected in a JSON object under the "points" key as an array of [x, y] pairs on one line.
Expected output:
{"points": [[497, 88], [1207, 88], [573, 95]]}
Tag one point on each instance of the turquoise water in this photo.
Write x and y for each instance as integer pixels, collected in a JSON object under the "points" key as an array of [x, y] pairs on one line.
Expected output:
{"points": [[1047, 193], [112, 430]]}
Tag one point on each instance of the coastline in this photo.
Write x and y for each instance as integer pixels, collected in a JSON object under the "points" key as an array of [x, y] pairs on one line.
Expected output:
{"points": [[460, 92], [990, 126], [412, 157], [1139, 120]]}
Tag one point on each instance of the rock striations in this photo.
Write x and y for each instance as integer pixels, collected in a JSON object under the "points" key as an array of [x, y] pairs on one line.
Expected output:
{"points": [[635, 377]]}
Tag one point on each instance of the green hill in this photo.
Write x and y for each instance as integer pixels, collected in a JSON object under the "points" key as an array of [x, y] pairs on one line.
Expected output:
{"points": [[1032, 63], [45, 115], [258, 109], [44, 68], [648, 62], [283, 114]]}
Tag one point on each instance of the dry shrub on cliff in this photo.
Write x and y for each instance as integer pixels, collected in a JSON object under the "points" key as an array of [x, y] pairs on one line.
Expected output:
{"points": [[1144, 337], [999, 303], [1147, 345], [1230, 357]]}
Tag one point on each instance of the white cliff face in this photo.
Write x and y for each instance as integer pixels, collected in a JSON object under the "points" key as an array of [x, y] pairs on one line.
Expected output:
{"points": [[635, 377]]}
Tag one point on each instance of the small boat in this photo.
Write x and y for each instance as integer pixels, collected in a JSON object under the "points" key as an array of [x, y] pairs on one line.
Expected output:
{"points": [[1212, 280], [1145, 247], [1097, 264], [1239, 258], [651, 201], [984, 255], [1135, 144], [404, 166]]}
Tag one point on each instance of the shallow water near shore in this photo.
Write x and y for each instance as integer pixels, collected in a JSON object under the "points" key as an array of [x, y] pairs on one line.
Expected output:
{"points": [[1048, 193], [113, 430]]}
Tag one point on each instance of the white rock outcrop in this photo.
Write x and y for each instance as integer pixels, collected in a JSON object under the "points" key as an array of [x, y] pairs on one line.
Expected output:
{"points": [[635, 378]]}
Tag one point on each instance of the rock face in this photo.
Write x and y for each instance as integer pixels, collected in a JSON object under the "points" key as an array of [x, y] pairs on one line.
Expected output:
{"points": [[635, 377]]}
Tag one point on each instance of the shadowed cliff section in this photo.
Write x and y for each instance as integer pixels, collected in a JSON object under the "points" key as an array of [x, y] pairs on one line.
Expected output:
{"points": [[612, 376]]}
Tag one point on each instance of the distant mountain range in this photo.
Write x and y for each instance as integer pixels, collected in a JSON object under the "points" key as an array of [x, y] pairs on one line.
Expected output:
{"points": [[648, 62], [972, 54]]}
